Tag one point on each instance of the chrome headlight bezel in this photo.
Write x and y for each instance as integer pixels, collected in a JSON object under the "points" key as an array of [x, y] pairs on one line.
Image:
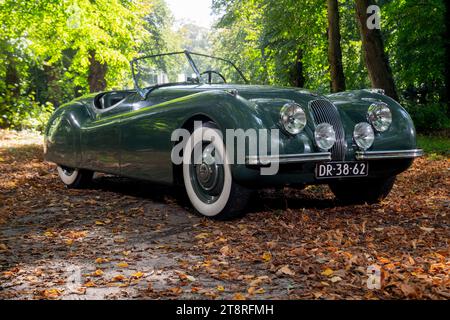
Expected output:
{"points": [[292, 118], [379, 116], [324, 136], [363, 135]]}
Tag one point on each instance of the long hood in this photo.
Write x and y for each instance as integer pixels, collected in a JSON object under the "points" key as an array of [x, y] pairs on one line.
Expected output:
{"points": [[256, 93]]}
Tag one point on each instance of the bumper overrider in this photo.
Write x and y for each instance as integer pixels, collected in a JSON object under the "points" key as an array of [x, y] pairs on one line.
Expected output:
{"points": [[326, 156]]}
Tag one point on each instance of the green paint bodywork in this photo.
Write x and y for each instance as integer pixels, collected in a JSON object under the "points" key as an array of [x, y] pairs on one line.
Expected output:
{"points": [[133, 138]]}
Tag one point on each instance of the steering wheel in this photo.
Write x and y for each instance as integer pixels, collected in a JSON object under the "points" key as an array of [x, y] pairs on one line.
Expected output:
{"points": [[210, 72]]}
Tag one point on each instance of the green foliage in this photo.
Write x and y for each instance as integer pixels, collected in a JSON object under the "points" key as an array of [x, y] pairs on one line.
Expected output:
{"points": [[434, 144], [263, 37], [47, 47], [428, 117], [414, 32]]}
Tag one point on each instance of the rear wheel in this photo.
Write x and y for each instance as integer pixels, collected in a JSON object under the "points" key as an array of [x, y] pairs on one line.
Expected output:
{"points": [[207, 177], [362, 191], [75, 178]]}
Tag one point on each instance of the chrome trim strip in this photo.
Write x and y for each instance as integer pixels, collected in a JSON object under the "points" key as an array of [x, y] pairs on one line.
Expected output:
{"points": [[391, 154], [288, 158]]}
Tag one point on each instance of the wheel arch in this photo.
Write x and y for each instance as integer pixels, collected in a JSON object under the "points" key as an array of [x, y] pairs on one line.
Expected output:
{"points": [[188, 124], [62, 134], [229, 111]]}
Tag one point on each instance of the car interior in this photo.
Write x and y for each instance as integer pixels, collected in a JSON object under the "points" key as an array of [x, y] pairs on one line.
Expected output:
{"points": [[110, 99]]}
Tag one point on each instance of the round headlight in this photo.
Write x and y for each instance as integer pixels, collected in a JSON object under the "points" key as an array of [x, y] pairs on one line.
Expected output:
{"points": [[325, 136], [363, 135], [379, 116], [293, 118]]}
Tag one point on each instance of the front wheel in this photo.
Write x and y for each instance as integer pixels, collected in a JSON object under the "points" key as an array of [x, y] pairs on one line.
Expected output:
{"points": [[362, 191], [207, 176], [75, 178]]}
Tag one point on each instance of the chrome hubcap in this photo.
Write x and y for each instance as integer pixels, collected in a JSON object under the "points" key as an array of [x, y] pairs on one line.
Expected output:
{"points": [[207, 174], [207, 171]]}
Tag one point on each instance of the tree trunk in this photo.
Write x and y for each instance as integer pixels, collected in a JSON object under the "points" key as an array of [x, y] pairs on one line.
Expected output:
{"points": [[297, 77], [447, 54], [97, 73], [334, 47], [376, 60]]}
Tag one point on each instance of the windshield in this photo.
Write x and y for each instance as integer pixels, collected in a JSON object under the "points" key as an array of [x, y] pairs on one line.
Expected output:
{"points": [[183, 67], [216, 70], [161, 69]]}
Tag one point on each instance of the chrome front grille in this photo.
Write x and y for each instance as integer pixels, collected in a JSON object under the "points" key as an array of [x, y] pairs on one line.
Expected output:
{"points": [[325, 111]]}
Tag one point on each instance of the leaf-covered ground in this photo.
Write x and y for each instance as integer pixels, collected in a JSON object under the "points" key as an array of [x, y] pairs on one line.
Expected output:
{"points": [[123, 239]]}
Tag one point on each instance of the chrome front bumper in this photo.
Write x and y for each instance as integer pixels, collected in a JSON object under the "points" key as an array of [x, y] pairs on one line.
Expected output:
{"points": [[289, 158], [326, 156], [392, 154]]}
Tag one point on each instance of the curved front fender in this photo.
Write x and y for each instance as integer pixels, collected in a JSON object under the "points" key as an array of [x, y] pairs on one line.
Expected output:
{"points": [[353, 106]]}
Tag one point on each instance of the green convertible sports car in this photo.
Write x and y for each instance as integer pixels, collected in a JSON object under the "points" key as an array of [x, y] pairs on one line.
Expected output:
{"points": [[193, 120]]}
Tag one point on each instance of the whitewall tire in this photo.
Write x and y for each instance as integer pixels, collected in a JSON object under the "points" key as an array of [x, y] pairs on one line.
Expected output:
{"points": [[209, 183], [74, 178]]}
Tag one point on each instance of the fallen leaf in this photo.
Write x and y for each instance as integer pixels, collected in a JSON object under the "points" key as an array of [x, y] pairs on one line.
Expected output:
{"points": [[202, 235], [225, 250], [98, 273], [190, 278], [267, 256], [317, 295], [101, 260], [259, 280], [220, 288], [271, 244], [335, 279], [50, 234], [122, 265], [327, 272], [76, 234], [383, 260], [118, 278], [238, 296], [408, 290], [51, 293], [90, 284], [285, 270], [176, 290], [80, 291], [427, 229], [137, 275], [298, 251]]}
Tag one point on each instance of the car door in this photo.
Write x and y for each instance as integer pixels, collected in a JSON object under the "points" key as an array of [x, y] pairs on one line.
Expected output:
{"points": [[145, 140], [101, 136]]}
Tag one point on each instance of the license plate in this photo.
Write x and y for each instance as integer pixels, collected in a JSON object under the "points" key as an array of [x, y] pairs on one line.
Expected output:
{"points": [[341, 169]]}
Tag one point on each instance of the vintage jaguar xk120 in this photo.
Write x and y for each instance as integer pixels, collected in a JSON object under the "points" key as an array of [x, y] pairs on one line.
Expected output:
{"points": [[354, 141]]}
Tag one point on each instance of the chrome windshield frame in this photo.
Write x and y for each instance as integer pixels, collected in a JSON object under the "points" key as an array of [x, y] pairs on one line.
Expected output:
{"points": [[188, 54]]}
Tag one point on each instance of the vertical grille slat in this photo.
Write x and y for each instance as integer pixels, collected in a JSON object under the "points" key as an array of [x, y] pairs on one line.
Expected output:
{"points": [[325, 111]]}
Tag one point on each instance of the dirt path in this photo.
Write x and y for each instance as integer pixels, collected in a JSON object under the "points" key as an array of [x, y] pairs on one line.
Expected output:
{"points": [[123, 239]]}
